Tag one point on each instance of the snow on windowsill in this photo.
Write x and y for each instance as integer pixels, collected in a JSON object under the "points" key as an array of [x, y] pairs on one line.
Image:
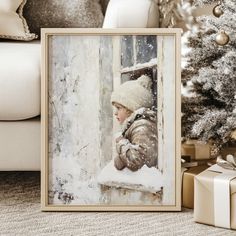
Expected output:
{"points": [[145, 179]]}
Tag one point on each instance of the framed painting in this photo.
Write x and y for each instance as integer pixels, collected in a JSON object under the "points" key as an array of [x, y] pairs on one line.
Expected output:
{"points": [[110, 120]]}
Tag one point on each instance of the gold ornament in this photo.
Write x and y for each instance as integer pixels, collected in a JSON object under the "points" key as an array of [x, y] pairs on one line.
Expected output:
{"points": [[217, 11], [222, 38]]}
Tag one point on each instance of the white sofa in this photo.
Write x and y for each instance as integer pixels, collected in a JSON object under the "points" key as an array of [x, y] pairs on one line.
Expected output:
{"points": [[20, 89], [20, 71], [20, 105], [20, 85]]}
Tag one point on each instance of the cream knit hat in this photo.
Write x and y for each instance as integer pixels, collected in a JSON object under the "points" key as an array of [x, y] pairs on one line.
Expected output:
{"points": [[134, 94]]}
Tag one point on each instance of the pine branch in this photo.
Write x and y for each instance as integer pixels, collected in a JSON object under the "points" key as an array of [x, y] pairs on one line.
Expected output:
{"points": [[210, 75]]}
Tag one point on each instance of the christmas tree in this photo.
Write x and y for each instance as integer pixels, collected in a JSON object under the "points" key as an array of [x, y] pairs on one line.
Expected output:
{"points": [[210, 76]]}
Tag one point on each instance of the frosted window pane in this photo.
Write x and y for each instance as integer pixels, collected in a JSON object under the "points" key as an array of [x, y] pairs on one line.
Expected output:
{"points": [[127, 51], [146, 47]]}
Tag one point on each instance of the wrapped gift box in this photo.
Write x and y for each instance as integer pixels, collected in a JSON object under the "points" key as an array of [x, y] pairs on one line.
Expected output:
{"points": [[188, 185], [197, 150], [215, 197]]}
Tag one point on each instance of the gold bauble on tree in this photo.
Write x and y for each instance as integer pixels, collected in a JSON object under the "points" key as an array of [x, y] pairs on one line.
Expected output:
{"points": [[222, 38], [217, 10]]}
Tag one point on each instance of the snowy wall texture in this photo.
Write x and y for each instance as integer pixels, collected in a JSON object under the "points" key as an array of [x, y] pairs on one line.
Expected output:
{"points": [[76, 135]]}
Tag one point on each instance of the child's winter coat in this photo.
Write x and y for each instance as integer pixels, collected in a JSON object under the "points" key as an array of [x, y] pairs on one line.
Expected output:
{"points": [[138, 145]]}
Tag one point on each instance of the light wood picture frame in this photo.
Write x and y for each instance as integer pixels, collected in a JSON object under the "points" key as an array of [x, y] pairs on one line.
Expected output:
{"points": [[95, 108]]}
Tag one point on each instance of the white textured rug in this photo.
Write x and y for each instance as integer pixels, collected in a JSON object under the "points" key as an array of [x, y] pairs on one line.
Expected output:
{"points": [[20, 215]]}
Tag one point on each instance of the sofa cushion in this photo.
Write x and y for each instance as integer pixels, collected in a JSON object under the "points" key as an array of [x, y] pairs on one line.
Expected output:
{"points": [[12, 22], [131, 14], [20, 145], [19, 80]]}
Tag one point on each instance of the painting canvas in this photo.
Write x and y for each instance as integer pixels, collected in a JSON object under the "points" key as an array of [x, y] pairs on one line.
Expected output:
{"points": [[110, 119]]}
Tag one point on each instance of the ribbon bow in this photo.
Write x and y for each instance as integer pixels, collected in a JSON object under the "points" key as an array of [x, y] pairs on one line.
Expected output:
{"points": [[229, 163]]}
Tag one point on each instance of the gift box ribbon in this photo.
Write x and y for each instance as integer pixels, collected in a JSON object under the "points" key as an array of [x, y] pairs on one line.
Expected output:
{"points": [[222, 195], [229, 163]]}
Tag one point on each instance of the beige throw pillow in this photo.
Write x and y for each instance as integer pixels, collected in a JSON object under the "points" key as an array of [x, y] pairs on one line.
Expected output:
{"points": [[63, 14], [12, 23]]}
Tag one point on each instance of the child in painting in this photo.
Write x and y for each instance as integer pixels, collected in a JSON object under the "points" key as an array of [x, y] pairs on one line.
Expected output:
{"points": [[137, 144]]}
